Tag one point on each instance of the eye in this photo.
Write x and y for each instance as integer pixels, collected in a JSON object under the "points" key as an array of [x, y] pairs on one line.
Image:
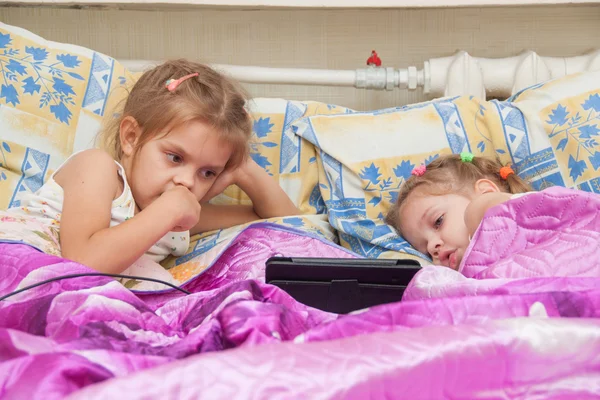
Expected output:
{"points": [[438, 222], [208, 174], [174, 158]]}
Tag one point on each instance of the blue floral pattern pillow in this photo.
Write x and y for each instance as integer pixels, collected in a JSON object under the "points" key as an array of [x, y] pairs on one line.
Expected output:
{"points": [[549, 133]]}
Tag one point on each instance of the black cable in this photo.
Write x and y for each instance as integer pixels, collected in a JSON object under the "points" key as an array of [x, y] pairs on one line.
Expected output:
{"points": [[59, 278]]}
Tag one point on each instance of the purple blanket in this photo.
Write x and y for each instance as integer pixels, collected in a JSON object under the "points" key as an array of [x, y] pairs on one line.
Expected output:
{"points": [[516, 335]]}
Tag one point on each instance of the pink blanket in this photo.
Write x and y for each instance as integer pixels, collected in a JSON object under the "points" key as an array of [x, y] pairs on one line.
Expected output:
{"points": [[544, 241], [498, 331]]}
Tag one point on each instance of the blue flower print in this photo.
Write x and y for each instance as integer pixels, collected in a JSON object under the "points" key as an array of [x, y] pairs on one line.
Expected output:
{"points": [[587, 131], [595, 160], [558, 116], [562, 144], [4, 149], [9, 93], [61, 112], [68, 60], [592, 102], [30, 87], [294, 221], [16, 67], [38, 54], [404, 169], [4, 40], [260, 160], [580, 137], [61, 87], [370, 173], [28, 71], [262, 127], [429, 159], [577, 168]]}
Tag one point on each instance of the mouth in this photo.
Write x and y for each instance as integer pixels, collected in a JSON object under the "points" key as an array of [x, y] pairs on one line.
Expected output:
{"points": [[452, 259]]}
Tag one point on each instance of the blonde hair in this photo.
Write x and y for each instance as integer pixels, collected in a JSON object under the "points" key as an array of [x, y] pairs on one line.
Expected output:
{"points": [[449, 174], [210, 97]]}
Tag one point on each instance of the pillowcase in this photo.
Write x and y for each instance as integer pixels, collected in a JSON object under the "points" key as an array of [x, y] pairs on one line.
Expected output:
{"points": [[53, 99], [561, 143], [549, 132], [365, 157], [285, 156]]}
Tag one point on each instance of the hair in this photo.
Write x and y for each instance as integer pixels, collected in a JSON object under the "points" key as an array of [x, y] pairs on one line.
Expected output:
{"points": [[449, 174], [210, 97]]}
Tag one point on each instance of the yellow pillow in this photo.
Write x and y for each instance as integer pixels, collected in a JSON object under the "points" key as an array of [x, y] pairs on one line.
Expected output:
{"points": [[53, 99], [284, 155], [563, 131], [364, 157], [549, 133]]}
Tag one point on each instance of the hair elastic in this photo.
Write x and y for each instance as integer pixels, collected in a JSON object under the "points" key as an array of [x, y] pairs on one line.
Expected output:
{"points": [[465, 156], [506, 171], [419, 171], [173, 83]]}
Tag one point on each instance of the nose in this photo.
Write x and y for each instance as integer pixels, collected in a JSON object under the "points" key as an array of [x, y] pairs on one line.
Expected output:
{"points": [[434, 245], [185, 178]]}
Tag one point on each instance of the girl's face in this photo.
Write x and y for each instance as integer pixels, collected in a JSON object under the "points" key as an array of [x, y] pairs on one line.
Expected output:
{"points": [[191, 155], [435, 225]]}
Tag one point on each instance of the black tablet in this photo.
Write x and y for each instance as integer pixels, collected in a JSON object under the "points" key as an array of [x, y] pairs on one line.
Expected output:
{"points": [[341, 285]]}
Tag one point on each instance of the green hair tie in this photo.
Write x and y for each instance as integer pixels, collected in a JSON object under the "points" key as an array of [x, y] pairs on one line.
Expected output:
{"points": [[465, 156]]}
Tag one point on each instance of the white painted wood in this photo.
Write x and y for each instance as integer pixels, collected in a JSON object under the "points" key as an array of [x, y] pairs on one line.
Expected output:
{"points": [[325, 4]]}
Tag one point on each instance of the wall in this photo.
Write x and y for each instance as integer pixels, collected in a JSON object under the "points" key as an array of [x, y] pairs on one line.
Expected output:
{"points": [[338, 39]]}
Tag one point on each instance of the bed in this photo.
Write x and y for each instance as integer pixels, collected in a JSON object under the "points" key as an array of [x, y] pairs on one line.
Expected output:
{"points": [[512, 333]]}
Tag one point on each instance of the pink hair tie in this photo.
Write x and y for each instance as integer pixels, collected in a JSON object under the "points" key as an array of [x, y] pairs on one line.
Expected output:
{"points": [[173, 83], [419, 171]]}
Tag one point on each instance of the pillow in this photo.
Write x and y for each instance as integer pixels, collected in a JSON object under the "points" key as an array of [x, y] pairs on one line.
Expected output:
{"points": [[561, 143], [548, 132], [57, 94], [365, 157], [53, 99], [285, 156]]}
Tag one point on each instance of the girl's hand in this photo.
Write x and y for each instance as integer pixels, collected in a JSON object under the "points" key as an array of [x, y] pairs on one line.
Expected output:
{"points": [[228, 178], [268, 199], [182, 206]]}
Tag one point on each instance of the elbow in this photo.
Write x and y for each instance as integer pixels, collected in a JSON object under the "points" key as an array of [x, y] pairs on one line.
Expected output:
{"points": [[88, 259], [79, 257]]}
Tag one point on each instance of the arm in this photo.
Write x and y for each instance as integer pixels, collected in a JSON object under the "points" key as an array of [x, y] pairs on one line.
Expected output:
{"points": [[221, 217], [477, 208], [268, 200], [90, 183]]}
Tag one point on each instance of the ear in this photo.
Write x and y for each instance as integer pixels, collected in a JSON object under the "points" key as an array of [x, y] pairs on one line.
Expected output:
{"points": [[129, 133], [485, 186]]}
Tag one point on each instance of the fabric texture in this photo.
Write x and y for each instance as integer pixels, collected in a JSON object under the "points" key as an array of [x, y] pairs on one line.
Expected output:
{"points": [[499, 331]]}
